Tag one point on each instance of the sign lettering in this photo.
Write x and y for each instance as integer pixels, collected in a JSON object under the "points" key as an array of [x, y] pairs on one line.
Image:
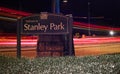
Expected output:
{"points": [[53, 24]]}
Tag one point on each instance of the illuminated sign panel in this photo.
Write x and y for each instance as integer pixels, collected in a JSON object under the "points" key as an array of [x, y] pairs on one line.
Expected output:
{"points": [[45, 23]]}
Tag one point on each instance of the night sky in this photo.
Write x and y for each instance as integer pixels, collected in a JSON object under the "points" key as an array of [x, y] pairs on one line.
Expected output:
{"points": [[108, 9]]}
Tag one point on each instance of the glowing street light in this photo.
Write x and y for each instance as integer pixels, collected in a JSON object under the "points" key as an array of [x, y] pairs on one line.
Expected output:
{"points": [[111, 32], [65, 1], [89, 32]]}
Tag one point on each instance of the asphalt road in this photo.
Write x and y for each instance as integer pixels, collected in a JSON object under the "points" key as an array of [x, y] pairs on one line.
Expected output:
{"points": [[83, 46]]}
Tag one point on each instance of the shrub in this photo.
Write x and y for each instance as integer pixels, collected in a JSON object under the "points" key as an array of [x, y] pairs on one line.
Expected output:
{"points": [[103, 64]]}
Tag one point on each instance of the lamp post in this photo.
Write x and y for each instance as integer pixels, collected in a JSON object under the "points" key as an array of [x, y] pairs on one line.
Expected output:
{"points": [[56, 6], [89, 32]]}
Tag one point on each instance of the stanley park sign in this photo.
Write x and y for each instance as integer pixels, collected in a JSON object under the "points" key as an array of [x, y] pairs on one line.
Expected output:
{"points": [[54, 33], [45, 24]]}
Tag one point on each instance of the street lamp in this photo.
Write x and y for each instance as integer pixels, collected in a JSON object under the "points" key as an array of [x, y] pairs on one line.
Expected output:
{"points": [[111, 32], [89, 33], [56, 6], [65, 1]]}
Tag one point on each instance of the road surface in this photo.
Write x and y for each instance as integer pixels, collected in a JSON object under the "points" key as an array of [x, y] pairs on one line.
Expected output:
{"points": [[83, 46]]}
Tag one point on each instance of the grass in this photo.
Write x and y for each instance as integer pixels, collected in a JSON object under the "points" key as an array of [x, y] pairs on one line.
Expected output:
{"points": [[102, 64]]}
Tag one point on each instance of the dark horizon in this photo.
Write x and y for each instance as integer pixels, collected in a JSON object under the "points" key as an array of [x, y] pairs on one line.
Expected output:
{"points": [[101, 12], [108, 9]]}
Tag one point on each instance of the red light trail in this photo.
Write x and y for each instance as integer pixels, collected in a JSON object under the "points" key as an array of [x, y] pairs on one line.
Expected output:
{"points": [[96, 40], [14, 12], [82, 45], [30, 41], [92, 26], [11, 12]]}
